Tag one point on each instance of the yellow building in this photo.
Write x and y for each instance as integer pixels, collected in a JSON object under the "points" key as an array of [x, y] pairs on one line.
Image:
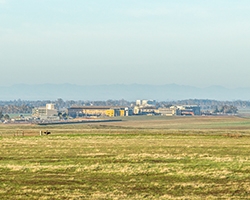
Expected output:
{"points": [[122, 113], [110, 111]]}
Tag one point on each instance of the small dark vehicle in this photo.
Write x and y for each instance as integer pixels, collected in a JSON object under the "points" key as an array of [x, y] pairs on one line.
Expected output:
{"points": [[47, 132]]}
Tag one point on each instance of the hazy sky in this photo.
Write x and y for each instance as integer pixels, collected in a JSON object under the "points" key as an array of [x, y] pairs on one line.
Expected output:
{"points": [[89, 42]]}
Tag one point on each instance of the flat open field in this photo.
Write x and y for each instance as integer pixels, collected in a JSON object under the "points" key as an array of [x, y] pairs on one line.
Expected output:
{"points": [[138, 158]]}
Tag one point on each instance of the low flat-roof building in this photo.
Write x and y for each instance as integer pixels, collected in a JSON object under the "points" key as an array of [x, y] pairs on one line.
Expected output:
{"points": [[166, 111], [110, 111], [189, 110], [179, 110]]}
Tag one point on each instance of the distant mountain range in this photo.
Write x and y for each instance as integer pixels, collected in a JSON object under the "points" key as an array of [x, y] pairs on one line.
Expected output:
{"points": [[120, 91]]}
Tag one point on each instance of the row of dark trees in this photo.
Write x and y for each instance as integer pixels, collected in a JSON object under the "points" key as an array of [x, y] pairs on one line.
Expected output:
{"points": [[16, 109], [226, 109], [207, 104], [4, 117]]}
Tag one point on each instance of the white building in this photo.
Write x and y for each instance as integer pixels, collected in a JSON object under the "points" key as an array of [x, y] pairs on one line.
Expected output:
{"points": [[145, 103], [47, 112], [144, 107]]}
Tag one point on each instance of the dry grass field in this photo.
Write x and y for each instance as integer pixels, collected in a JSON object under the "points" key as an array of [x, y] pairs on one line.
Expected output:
{"points": [[137, 158]]}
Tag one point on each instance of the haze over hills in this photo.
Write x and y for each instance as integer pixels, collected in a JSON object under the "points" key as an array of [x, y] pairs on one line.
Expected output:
{"points": [[120, 91]]}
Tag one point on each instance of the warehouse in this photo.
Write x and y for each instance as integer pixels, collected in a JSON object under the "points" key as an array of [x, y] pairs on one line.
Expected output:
{"points": [[110, 111]]}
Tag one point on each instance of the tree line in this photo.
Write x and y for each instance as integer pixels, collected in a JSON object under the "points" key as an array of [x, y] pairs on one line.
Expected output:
{"points": [[4, 117], [207, 104]]}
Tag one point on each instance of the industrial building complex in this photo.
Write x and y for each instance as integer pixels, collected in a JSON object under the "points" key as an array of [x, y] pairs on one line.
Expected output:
{"points": [[148, 107], [141, 107]]}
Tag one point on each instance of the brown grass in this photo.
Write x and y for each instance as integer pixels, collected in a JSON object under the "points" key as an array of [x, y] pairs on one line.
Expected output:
{"points": [[143, 158]]}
